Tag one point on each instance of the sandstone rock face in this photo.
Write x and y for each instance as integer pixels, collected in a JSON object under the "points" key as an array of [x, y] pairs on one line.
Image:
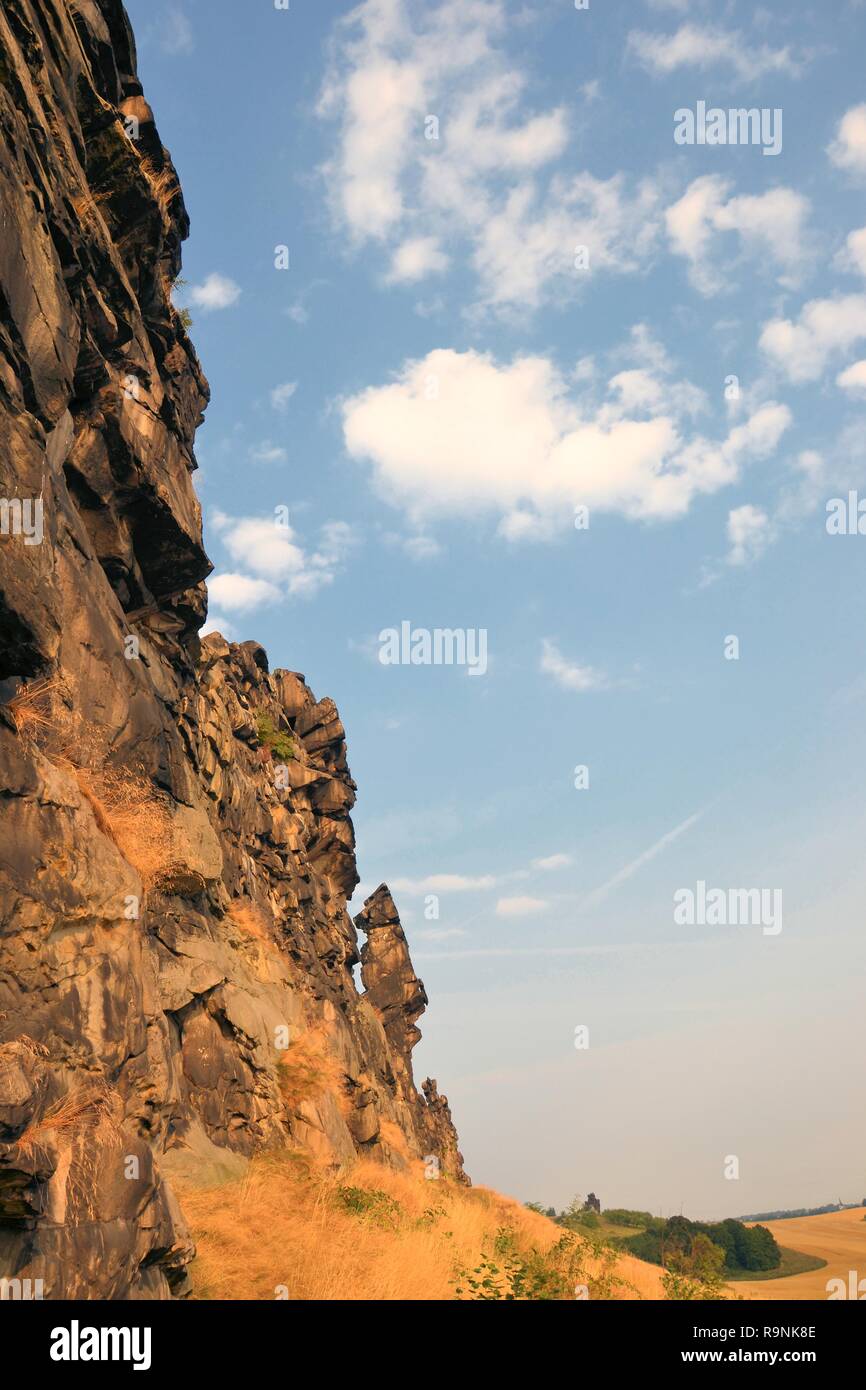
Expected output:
{"points": [[176, 849]]}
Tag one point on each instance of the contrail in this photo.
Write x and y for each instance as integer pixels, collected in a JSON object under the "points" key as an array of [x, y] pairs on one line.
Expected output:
{"points": [[599, 894]]}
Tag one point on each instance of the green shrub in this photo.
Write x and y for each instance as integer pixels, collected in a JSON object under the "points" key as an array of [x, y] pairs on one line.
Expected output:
{"points": [[275, 740], [369, 1204]]}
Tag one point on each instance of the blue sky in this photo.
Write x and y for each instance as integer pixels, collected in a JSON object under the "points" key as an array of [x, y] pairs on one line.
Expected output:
{"points": [[542, 309]]}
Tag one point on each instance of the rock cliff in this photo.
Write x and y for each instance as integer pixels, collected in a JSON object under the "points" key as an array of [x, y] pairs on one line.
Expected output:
{"points": [[176, 849]]}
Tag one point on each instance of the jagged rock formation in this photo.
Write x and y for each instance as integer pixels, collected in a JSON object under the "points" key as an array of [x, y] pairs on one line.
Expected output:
{"points": [[399, 998], [176, 957]]}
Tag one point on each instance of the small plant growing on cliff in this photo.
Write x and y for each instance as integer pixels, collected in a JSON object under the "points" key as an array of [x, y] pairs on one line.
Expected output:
{"points": [[163, 185], [31, 708], [274, 742], [184, 314]]}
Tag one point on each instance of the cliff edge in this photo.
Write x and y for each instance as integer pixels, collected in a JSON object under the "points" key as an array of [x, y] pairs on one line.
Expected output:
{"points": [[176, 849]]}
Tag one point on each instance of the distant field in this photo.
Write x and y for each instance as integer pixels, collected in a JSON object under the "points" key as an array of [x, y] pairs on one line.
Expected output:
{"points": [[838, 1237]]}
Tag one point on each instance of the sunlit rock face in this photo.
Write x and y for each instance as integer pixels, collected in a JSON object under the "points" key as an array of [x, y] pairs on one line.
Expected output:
{"points": [[176, 849]]}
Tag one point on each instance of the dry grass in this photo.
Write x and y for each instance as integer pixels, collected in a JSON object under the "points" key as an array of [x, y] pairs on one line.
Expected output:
{"points": [[89, 1110], [87, 205], [307, 1069], [85, 1127], [374, 1234], [130, 813], [31, 707], [125, 805], [395, 1138], [250, 918], [163, 185]]}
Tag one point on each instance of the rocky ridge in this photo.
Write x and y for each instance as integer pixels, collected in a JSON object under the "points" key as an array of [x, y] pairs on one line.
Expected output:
{"points": [[177, 986]]}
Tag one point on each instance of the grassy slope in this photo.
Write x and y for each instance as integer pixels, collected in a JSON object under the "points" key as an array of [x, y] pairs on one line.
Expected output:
{"points": [[373, 1234], [793, 1262]]}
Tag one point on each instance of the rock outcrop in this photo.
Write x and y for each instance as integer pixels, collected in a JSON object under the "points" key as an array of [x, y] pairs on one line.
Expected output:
{"points": [[176, 849]]}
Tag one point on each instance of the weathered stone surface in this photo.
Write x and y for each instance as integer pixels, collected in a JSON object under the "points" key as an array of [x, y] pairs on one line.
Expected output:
{"points": [[176, 955]]}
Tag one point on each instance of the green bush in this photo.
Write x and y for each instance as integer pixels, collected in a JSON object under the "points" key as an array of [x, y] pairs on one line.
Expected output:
{"points": [[370, 1205], [275, 740]]}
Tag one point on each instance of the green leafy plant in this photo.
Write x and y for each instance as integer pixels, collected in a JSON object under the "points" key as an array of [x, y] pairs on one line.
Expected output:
{"points": [[369, 1204], [184, 315], [509, 1274], [275, 741]]}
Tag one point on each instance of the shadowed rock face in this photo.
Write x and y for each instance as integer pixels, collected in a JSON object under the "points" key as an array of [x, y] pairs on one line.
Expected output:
{"points": [[399, 999], [176, 988]]}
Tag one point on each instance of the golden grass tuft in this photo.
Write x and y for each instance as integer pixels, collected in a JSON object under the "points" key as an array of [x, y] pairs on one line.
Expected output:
{"points": [[370, 1233], [126, 806], [89, 1110], [307, 1069], [163, 185], [87, 205], [394, 1137], [85, 1126], [131, 814], [31, 707], [251, 920]]}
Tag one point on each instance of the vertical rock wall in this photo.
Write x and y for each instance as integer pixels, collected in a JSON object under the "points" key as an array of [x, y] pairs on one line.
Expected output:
{"points": [[176, 849]]}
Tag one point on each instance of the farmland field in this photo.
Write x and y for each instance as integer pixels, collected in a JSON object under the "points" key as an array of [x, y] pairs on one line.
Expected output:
{"points": [[839, 1237]]}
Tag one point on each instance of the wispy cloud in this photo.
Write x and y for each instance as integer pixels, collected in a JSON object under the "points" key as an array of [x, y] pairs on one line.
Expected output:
{"points": [[273, 551], [552, 861], [703, 46], [566, 673], [487, 181], [176, 35], [443, 883], [281, 395], [520, 906], [267, 452]]}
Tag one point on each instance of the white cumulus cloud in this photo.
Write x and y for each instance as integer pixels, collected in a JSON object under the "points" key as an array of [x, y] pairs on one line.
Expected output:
{"points": [[238, 592], [802, 348], [749, 533], [437, 152], [853, 379], [416, 258], [768, 225], [459, 433], [272, 550], [848, 148], [215, 292]]}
